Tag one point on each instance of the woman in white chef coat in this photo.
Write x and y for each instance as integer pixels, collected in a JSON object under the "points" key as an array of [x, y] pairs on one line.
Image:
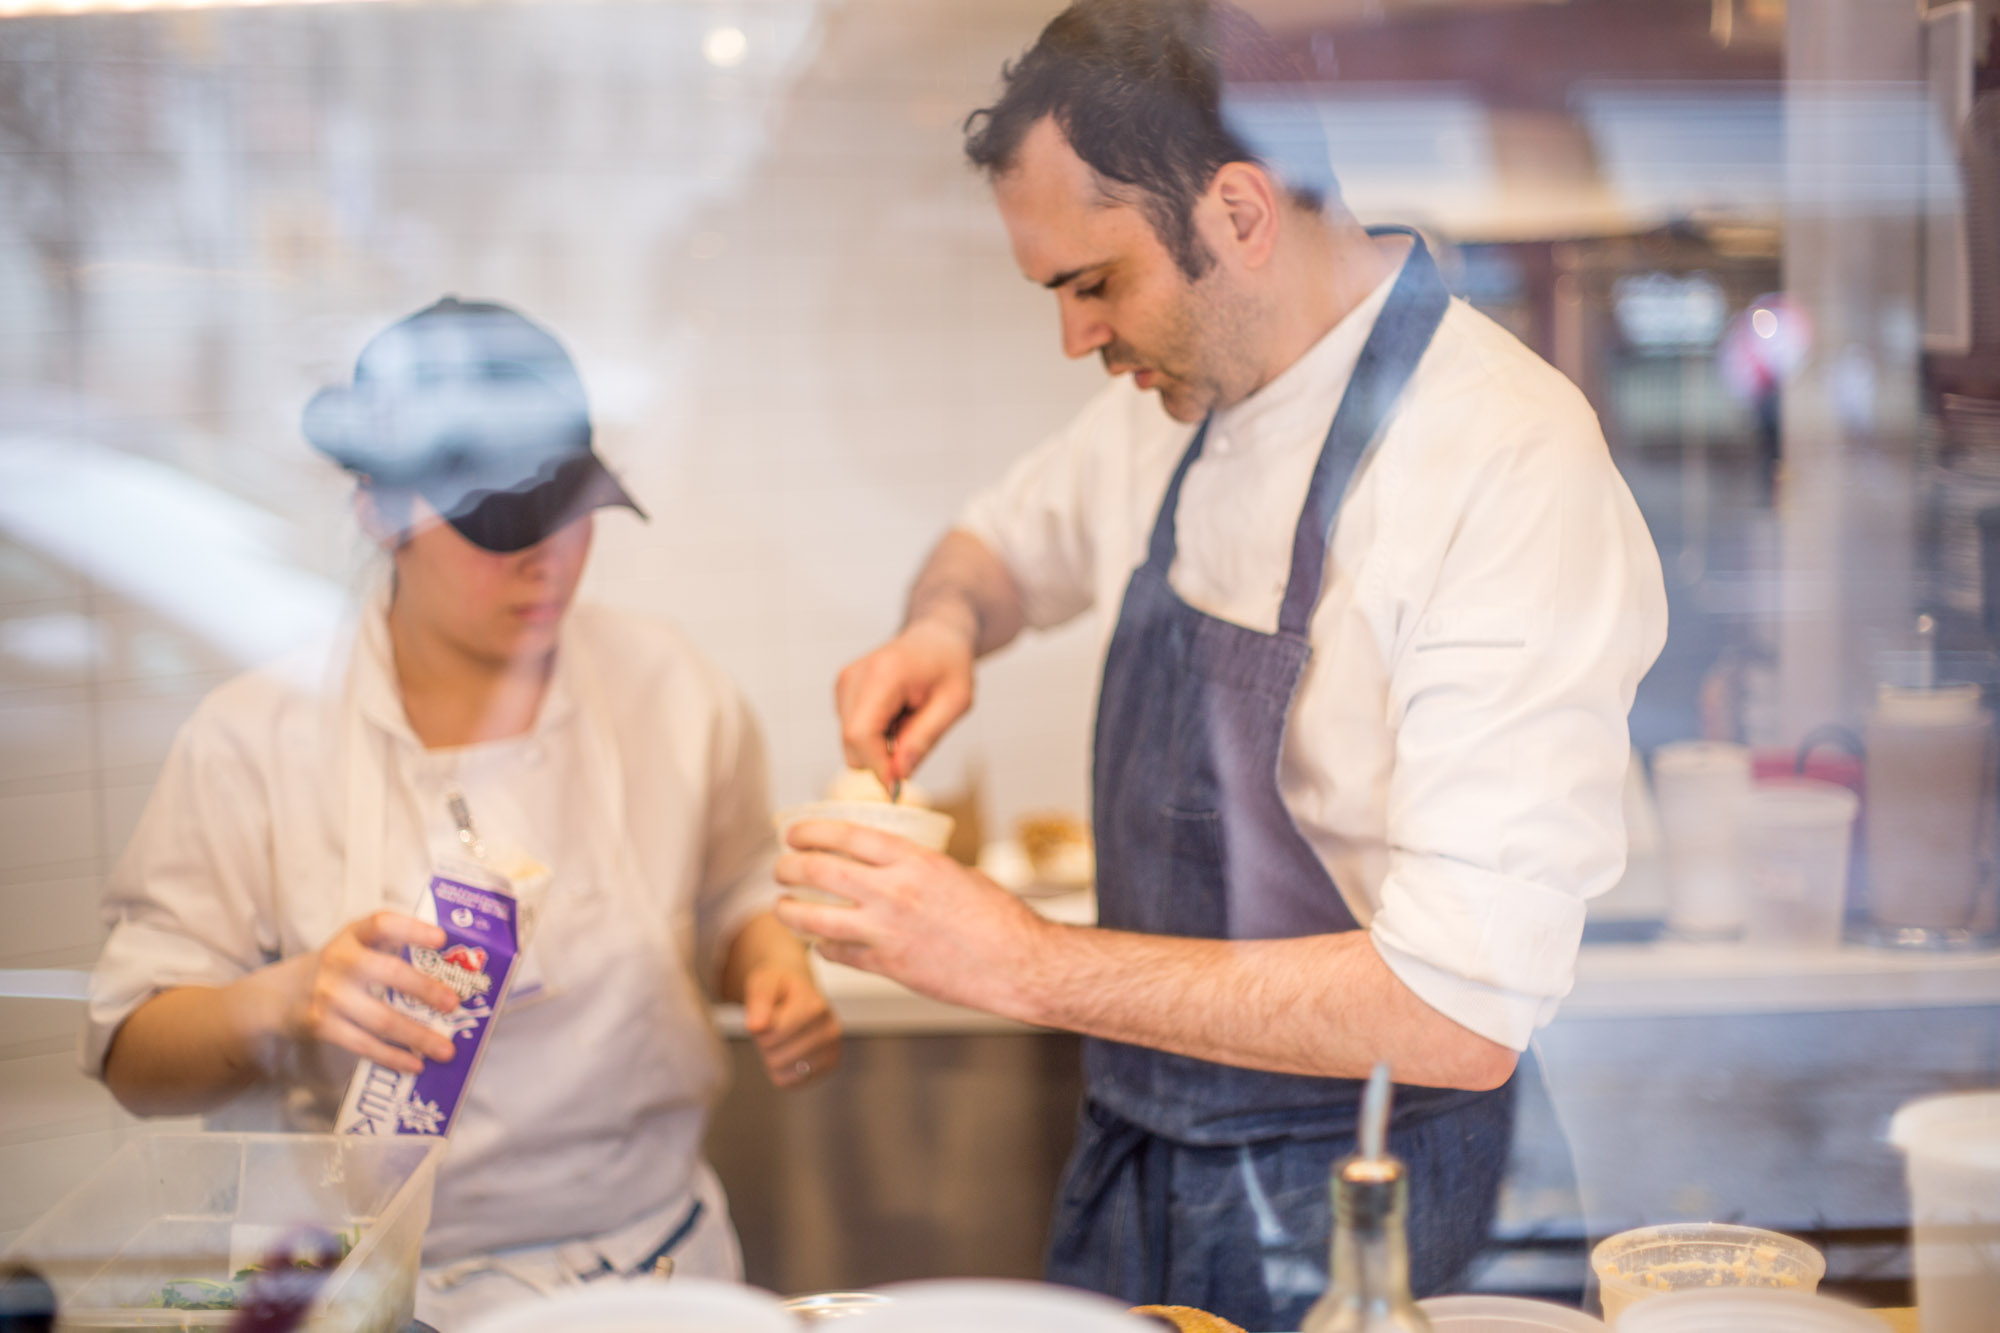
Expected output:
{"points": [[270, 887]]}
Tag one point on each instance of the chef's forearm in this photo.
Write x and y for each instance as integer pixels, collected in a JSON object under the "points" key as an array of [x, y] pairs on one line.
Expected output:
{"points": [[1324, 1005], [190, 1049], [967, 588]]}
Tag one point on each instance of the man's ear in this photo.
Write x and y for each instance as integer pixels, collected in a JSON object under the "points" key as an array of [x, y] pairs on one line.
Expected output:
{"points": [[1245, 198]]}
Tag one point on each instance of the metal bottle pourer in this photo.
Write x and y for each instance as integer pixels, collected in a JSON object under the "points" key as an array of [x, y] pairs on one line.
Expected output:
{"points": [[1369, 1281]]}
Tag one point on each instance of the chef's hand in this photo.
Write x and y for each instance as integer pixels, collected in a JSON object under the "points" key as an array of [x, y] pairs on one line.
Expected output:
{"points": [[795, 1029], [333, 996], [924, 672], [918, 917]]}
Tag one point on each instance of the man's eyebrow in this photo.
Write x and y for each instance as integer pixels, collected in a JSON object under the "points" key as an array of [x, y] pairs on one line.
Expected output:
{"points": [[1067, 276]]}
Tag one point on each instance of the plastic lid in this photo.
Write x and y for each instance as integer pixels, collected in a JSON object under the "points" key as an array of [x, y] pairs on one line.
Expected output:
{"points": [[1505, 1314], [1745, 1310], [1702, 757], [1962, 1128]]}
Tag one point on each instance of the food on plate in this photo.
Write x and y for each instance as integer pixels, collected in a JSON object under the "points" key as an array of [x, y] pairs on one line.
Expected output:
{"points": [[1058, 847], [1188, 1319]]}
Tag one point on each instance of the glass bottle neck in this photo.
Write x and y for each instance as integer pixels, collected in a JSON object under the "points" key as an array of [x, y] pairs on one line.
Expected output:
{"points": [[1369, 1286], [1371, 1248]]}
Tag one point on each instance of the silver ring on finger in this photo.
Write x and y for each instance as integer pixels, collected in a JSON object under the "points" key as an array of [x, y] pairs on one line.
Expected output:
{"points": [[802, 1067]]}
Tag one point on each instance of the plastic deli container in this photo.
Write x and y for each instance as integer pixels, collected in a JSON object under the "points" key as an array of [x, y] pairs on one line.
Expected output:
{"points": [[680, 1305], [184, 1210], [1797, 836], [1504, 1314], [1747, 1310], [1953, 1147], [1701, 788], [1634, 1265]]}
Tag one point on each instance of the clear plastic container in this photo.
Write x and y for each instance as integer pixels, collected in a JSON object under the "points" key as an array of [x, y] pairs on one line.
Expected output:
{"points": [[1797, 834], [1634, 1265], [172, 1208], [1504, 1314], [1701, 788], [1747, 1310], [1953, 1144]]}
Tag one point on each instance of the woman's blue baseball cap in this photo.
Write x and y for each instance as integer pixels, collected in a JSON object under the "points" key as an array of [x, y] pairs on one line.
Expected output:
{"points": [[478, 409]]}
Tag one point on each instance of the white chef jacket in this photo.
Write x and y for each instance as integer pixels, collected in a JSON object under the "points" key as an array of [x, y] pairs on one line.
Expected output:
{"points": [[297, 799], [1458, 744]]}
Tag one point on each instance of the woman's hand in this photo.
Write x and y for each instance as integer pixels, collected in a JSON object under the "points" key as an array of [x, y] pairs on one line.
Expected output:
{"points": [[333, 998], [190, 1049], [770, 973]]}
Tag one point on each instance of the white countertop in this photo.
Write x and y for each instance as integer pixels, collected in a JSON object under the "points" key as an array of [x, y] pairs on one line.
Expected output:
{"points": [[1665, 979]]}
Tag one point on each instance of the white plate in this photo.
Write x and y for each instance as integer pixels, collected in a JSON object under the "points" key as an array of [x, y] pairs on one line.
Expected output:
{"points": [[682, 1305], [1006, 862]]}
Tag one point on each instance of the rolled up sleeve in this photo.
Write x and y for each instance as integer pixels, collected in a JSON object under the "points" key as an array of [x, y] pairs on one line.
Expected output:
{"points": [[185, 905], [1509, 696], [1037, 520]]}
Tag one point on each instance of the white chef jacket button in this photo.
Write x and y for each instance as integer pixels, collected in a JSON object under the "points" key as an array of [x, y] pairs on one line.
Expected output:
{"points": [[1222, 444]]}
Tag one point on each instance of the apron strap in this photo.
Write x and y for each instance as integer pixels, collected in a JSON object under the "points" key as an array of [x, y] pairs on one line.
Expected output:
{"points": [[1121, 1173], [1402, 332], [1160, 550]]}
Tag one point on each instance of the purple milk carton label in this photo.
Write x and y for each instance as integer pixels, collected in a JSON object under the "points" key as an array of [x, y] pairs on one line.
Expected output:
{"points": [[478, 957]]}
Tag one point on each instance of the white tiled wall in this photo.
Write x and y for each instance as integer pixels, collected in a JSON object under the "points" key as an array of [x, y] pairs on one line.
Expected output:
{"points": [[805, 340]]}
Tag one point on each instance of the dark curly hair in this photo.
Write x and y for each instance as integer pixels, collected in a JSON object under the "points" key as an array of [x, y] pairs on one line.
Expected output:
{"points": [[1136, 87]]}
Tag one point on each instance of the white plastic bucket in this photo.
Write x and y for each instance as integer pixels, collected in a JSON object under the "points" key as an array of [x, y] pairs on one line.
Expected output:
{"points": [[1797, 838], [1505, 1314], [1746, 1310], [1952, 1144], [1701, 788]]}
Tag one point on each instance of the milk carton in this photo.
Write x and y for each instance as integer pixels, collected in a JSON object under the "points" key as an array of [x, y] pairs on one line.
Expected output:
{"points": [[482, 941]]}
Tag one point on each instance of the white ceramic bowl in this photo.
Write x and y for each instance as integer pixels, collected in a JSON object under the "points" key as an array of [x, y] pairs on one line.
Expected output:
{"points": [[681, 1305], [1746, 1310], [1505, 1314], [927, 828], [973, 1306]]}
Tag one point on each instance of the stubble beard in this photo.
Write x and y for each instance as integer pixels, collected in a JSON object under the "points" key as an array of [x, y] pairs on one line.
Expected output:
{"points": [[1199, 354]]}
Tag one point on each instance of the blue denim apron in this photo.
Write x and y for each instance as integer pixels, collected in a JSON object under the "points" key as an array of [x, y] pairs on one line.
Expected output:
{"points": [[1194, 1183]]}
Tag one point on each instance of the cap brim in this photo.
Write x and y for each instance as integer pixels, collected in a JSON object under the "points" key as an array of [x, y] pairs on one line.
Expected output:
{"points": [[513, 520]]}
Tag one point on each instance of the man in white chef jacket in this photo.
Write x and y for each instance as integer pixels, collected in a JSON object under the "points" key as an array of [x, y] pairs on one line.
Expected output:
{"points": [[1375, 602]]}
